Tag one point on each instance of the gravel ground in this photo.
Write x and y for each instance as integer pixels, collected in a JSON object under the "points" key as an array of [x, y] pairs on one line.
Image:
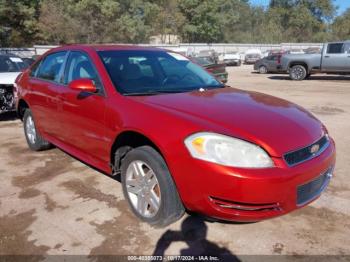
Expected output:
{"points": [[52, 204]]}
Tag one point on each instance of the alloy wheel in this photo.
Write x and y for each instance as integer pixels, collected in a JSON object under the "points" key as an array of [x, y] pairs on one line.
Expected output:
{"points": [[143, 188], [297, 73], [30, 130]]}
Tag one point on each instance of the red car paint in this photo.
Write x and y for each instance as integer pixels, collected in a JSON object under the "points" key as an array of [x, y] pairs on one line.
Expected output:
{"points": [[87, 128]]}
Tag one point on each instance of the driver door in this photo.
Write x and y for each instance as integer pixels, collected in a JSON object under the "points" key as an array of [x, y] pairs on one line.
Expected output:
{"points": [[83, 114]]}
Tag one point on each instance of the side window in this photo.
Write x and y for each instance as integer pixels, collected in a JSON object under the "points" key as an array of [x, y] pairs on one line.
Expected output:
{"points": [[347, 48], [336, 48], [50, 68], [80, 66]]}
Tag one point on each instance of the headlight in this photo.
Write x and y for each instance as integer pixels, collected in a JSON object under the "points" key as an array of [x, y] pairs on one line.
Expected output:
{"points": [[227, 151]]}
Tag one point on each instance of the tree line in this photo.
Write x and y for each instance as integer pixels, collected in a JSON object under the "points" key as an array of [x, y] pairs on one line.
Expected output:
{"points": [[28, 22]]}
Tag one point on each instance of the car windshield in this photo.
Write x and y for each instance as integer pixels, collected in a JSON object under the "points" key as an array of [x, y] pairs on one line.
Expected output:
{"points": [[140, 72], [11, 64]]}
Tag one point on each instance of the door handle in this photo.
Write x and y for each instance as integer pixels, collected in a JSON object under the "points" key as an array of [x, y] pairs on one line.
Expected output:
{"points": [[327, 56]]}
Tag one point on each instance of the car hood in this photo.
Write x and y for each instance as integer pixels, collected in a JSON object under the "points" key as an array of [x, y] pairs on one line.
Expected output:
{"points": [[8, 78], [275, 124]]}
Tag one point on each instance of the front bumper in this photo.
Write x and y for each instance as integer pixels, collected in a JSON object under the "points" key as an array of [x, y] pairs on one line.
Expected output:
{"points": [[251, 61], [7, 102], [232, 62], [247, 195]]}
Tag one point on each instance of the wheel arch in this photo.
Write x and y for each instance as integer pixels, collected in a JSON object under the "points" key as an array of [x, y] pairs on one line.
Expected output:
{"points": [[21, 107], [126, 141], [302, 63]]}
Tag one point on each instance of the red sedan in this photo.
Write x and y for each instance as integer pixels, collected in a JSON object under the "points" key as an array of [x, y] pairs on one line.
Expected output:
{"points": [[179, 139]]}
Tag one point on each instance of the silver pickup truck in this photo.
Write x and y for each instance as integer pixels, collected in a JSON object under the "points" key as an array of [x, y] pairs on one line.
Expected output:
{"points": [[334, 58]]}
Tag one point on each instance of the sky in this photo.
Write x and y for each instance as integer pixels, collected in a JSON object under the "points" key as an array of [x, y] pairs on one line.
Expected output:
{"points": [[342, 4]]}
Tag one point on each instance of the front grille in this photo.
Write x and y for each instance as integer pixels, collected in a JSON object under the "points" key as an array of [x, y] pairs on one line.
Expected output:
{"points": [[311, 190], [6, 98], [306, 153]]}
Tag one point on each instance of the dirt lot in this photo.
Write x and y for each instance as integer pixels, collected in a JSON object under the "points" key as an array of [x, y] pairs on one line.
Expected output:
{"points": [[51, 203]]}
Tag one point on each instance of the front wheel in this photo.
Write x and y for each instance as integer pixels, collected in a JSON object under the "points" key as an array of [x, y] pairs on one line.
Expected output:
{"points": [[298, 73], [263, 70], [34, 139], [149, 187]]}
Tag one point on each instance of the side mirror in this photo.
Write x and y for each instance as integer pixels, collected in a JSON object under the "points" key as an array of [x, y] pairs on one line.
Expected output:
{"points": [[83, 84]]}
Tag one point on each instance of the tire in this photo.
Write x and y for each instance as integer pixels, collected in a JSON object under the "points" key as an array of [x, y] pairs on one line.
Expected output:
{"points": [[263, 69], [297, 73], [33, 137], [150, 191]]}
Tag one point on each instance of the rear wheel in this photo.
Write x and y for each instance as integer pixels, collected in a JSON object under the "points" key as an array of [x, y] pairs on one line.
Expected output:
{"points": [[34, 139], [149, 188], [263, 70], [298, 73]]}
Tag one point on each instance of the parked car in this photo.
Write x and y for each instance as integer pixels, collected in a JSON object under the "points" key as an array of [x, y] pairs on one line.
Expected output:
{"points": [[214, 56], [252, 56], [28, 60], [10, 67], [178, 138], [334, 58], [218, 70], [232, 59], [269, 64]]}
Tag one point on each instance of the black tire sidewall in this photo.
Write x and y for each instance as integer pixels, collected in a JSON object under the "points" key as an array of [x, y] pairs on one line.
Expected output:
{"points": [[170, 209]]}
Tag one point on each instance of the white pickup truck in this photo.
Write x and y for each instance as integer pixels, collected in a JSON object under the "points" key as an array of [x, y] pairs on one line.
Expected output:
{"points": [[334, 58]]}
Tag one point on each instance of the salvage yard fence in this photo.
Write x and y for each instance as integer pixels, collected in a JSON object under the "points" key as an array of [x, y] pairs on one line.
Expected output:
{"points": [[189, 48]]}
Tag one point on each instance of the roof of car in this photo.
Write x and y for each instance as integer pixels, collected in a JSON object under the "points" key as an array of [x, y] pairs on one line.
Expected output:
{"points": [[107, 47]]}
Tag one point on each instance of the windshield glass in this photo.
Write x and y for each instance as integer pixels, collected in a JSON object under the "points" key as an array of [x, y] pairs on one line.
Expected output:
{"points": [[11, 64], [139, 71]]}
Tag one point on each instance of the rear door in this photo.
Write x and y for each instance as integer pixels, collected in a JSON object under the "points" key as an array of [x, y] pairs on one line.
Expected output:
{"points": [[334, 58], [271, 62], [45, 87], [82, 114]]}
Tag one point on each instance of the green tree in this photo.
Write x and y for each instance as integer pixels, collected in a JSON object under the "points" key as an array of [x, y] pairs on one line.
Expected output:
{"points": [[91, 21], [18, 22], [341, 28], [202, 21]]}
